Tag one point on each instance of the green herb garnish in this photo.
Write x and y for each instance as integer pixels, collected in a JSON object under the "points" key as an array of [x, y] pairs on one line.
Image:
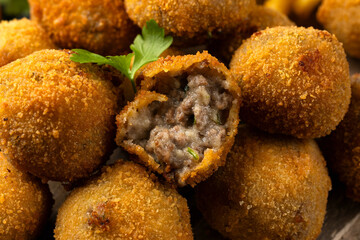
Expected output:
{"points": [[146, 48], [193, 153]]}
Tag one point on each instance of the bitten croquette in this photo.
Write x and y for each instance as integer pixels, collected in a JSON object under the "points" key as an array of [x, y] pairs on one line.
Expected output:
{"points": [[271, 187], [57, 117], [125, 202], [190, 19], [183, 121], [100, 26], [342, 18], [342, 146], [19, 38], [294, 81], [25, 203]]}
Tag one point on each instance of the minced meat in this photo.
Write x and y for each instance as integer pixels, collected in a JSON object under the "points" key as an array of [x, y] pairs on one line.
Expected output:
{"points": [[177, 132]]}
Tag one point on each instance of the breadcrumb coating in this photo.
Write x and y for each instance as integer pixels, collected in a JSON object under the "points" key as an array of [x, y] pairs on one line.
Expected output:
{"points": [[259, 19], [125, 202], [342, 18], [57, 117], [19, 38], [294, 81], [189, 19], [342, 148], [100, 26], [25, 203], [271, 187]]}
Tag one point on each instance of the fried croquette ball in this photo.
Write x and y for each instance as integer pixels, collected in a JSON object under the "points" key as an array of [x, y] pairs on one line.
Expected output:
{"points": [[259, 19], [19, 38], [125, 202], [183, 121], [189, 19], [271, 187], [342, 18], [342, 146], [25, 203], [57, 117], [100, 26], [294, 81]]}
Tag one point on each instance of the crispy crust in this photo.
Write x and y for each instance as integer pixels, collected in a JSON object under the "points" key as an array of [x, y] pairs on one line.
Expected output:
{"points": [[25, 203], [174, 66], [342, 18], [272, 187], [101, 26], [259, 19], [190, 18], [294, 81], [341, 147], [19, 38], [57, 116], [125, 202]]}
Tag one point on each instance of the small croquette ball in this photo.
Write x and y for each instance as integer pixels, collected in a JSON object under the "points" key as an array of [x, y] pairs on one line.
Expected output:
{"points": [[189, 19], [125, 202], [25, 203], [19, 38], [294, 81], [342, 18], [342, 146], [57, 117], [100, 26], [272, 187]]}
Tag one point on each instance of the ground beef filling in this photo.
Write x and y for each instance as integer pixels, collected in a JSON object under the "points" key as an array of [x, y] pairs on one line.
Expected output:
{"points": [[177, 132]]}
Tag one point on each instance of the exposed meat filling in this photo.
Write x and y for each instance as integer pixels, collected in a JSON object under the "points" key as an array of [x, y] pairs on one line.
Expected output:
{"points": [[177, 132]]}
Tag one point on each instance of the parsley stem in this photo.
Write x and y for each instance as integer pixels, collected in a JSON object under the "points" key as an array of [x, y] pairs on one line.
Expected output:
{"points": [[133, 85]]}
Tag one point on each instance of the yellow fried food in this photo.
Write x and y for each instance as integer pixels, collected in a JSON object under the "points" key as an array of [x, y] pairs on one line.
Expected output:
{"points": [[342, 18], [303, 8], [259, 19], [271, 187], [19, 38], [183, 122], [188, 19], [101, 26], [125, 202], [57, 117], [342, 147], [294, 81], [279, 5], [25, 203]]}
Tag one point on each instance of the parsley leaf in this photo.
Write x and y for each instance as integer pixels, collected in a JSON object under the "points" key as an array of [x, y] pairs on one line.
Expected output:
{"points": [[146, 48]]}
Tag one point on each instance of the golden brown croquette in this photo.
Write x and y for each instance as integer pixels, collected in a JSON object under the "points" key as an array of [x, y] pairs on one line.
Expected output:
{"points": [[342, 18], [342, 146], [19, 38], [100, 26], [125, 202], [25, 203], [183, 121], [271, 187], [189, 19], [57, 117], [259, 19], [294, 81]]}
